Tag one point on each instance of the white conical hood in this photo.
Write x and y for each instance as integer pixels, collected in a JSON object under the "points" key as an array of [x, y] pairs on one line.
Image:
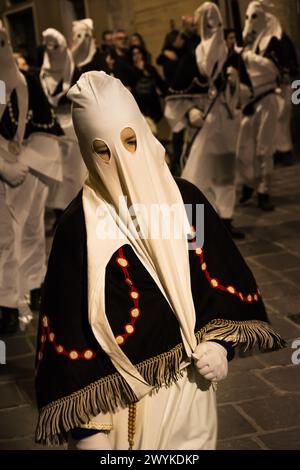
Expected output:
{"points": [[58, 65], [212, 52], [83, 43]]}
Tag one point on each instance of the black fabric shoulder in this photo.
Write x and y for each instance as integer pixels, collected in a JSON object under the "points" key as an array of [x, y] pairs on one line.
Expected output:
{"points": [[275, 52], [72, 217], [190, 193], [41, 109]]}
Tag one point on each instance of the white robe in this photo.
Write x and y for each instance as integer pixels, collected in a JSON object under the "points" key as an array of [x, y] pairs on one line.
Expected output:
{"points": [[73, 169], [22, 211], [181, 417], [257, 142], [211, 165], [283, 132], [22, 240]]}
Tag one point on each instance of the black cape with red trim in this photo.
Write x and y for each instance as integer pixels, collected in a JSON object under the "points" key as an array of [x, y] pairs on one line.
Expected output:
{"points": [[75, 378]]}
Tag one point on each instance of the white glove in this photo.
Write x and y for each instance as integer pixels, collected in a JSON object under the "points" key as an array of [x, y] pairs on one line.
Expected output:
{"points": [[13, 173], [211, 361], [246, 55], [196, 117], [97, 441], [232, 75]]}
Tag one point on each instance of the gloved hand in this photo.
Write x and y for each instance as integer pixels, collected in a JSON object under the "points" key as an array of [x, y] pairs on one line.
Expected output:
{"points": [[211, 361], [232, 75], [13, 173], [195, 117], [97, 441]]}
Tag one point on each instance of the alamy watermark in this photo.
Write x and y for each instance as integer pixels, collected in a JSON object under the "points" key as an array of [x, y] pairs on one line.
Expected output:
{"points": [[2, 352], [2, 92], [296, 94], [296, 354], [151, 222]]}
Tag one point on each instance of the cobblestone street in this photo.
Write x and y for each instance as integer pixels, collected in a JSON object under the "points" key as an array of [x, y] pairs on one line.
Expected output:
{"points": [[259, 403]]}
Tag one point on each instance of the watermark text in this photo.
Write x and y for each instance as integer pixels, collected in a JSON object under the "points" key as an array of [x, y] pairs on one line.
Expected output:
{"points": [[296, 94]]}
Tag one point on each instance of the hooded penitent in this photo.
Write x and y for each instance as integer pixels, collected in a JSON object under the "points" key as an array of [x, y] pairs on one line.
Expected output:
{"points": [[58, 66], [14, 80], [261, 28], [166, 260], [212, 52], [83, 47], [92, 358]]}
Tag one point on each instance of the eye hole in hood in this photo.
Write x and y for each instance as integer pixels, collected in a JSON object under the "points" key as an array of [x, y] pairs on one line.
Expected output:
{"points": [[101, 149], [128, 139]]}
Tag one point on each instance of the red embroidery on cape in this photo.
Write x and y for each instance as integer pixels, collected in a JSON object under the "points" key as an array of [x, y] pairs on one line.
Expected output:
{"points": [[215, 283]]}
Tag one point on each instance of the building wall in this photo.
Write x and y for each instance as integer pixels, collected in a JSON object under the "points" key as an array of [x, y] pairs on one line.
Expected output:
{"points": [[110, 14]]}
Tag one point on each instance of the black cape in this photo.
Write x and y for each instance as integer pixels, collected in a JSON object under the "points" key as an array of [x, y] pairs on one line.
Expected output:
{"points": [[42, 117], [188, 81], [75, 378]]}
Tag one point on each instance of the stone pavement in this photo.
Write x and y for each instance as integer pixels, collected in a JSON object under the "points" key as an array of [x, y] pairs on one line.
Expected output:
{"points": [[259, 403]]}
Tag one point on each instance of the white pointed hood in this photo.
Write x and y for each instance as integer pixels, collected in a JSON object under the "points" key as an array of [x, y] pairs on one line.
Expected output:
{"points": [[212, 52], [102, 108], [261, 25], [58, 65], [83, 43]]}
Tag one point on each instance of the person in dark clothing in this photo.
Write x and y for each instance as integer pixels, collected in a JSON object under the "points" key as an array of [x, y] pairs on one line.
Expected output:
{"points": [[123, 68], [115, 67], [172, 51], [120, 43], [230, 39], [136, 39], [190, 32], [107, 40], [108, 62], [150, 87]]}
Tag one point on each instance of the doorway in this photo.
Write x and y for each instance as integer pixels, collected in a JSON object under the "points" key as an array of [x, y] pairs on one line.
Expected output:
{"points": [[22, 31]]}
